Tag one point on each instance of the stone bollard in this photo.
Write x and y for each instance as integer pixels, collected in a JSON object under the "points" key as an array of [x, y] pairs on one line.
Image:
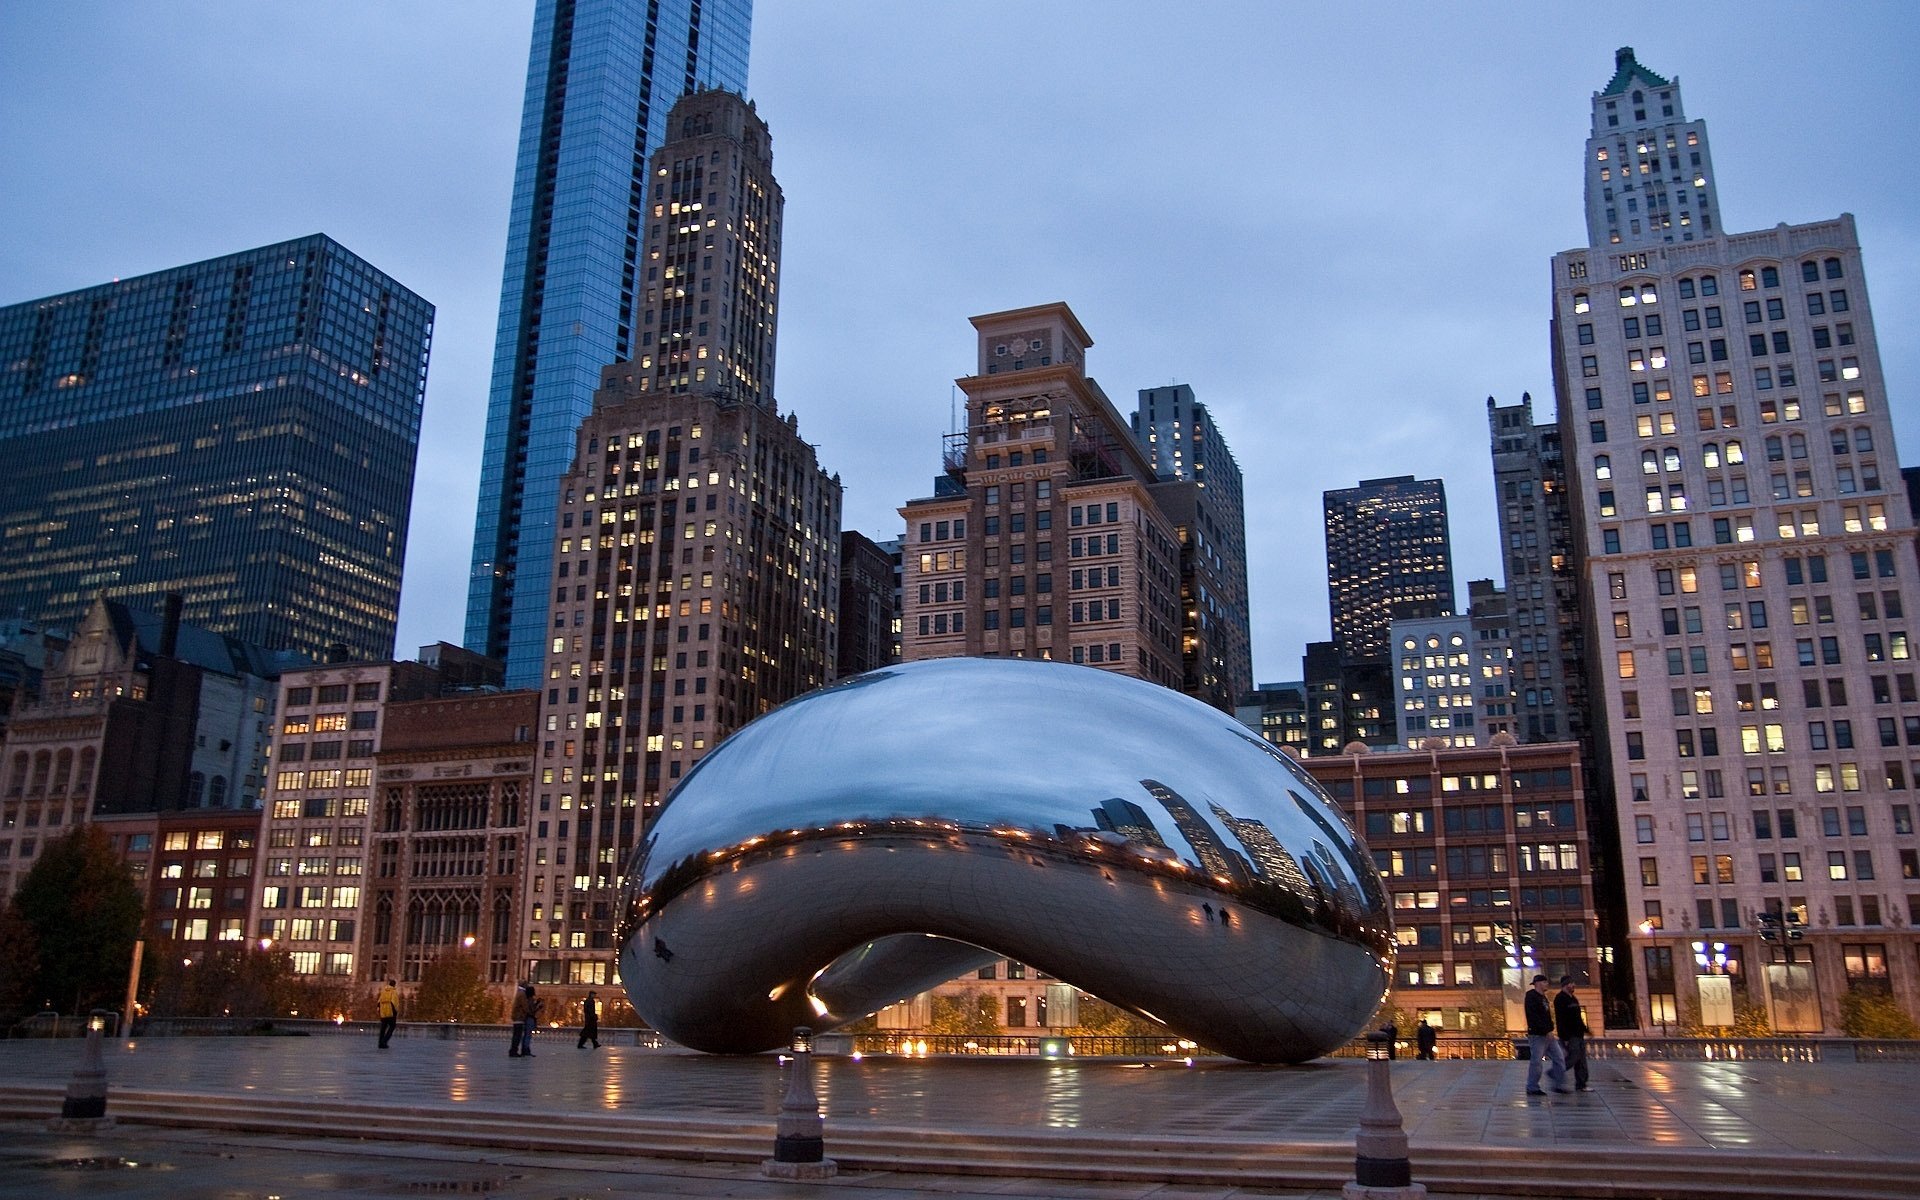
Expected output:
{"points": [[799, 1147], [1381, 1170], [85, 1108]]}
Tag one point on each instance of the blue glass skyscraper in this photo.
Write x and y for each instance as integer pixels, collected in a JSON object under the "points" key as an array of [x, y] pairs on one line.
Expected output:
{"points": [[601, 78], [241, 431]]}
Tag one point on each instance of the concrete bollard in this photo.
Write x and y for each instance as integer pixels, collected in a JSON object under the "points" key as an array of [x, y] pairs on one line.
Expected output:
{"points": [[799, 1144], [1381, 1169], [85, 1108]]}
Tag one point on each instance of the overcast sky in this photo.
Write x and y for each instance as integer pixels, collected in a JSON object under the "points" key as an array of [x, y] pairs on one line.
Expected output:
{"points": [[1333, 220]]}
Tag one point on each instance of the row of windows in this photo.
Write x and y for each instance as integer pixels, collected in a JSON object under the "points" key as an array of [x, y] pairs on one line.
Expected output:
{"points": [[331, 693]]}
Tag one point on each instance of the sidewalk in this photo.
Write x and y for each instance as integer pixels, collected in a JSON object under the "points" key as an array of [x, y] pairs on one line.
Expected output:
{"points": [[1847, 1113]]}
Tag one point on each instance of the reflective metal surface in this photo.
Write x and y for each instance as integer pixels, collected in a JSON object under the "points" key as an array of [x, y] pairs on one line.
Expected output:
{"points": [[902, 827]]}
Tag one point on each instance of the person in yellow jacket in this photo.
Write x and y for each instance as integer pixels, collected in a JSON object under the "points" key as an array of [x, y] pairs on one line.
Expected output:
{"points": [[389, 1005]]}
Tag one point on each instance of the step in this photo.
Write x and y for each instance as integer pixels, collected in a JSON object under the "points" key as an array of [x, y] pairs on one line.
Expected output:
{"points": [[1505, 1170]]}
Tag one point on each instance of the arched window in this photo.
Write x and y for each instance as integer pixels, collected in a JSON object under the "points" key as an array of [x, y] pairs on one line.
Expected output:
{"points": [[1833, 268], [1670, 458], [62, 771], [83, 782], [1649, 462], [1580, 302], [1735, 454], [196, 790], [1747, 282], [1863, 438], [1840, 443], [1626, 297], [217, 792], [1602, 466], [1796, 446], [1710, 455], [1774, 452]]}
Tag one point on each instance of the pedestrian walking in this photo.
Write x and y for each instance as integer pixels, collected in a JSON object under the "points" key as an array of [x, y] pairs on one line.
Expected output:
{"points": [[1426, 1035], [1570, 1025], [526, 1009], [589, 1022], [389, 1006], [1543, 1049]]}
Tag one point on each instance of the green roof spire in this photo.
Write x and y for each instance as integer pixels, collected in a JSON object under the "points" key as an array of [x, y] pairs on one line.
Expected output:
{"points": [[1626, 69]]}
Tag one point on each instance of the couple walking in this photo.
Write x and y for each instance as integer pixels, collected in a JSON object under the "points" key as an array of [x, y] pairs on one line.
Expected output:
{"points": [[526, 1014], [1556, 1037]]}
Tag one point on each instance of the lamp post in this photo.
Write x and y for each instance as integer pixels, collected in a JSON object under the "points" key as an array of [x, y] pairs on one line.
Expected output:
{"points": [[799, 1145], [1381, 1170], [1783, 927], [133, 987]]}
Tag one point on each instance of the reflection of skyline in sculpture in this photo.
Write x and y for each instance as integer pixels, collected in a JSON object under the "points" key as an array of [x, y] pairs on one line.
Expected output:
{"points": [[1266, 851], [1129, 820], [848, 851], [1207, 847]]}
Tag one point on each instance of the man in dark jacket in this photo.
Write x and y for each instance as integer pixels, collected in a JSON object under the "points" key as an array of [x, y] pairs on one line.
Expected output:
{"points": [[590, 1021], [1426, 1035], [1570, 1024], [1543, 1049]]}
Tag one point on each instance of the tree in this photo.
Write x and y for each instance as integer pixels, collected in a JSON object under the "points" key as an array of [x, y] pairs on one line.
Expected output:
{"points": [[1874, 1015], [19, 965], [229, 979], [1099, 1018], [969, 1012], [83, 911], [454, 988]]}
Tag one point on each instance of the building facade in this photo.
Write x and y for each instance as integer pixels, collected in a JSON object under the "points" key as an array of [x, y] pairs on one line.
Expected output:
{"points": [[159, 732], [1649, 178], [1044, 538], [312, 861], [1747, 554], [240, 431], [1482, 850], [602, 76], [1278, 713], [1201, 491], [1388, 555], [447, 846], [1543, 589], [869, 622], [1451, 683]]}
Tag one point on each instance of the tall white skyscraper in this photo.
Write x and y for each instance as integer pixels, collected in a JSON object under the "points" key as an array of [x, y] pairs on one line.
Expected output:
{"points": [[1746, 551], [1649, 176]]}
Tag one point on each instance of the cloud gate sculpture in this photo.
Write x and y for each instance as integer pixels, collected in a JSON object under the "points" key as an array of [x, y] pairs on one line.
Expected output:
{"points": [[903, 827]]}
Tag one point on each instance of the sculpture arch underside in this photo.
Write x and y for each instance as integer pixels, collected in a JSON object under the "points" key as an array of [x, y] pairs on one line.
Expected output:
{"points": [[898, 829]]}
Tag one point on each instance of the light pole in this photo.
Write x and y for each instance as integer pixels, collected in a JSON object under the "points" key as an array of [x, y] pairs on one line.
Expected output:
{"points": [[133, 986]]}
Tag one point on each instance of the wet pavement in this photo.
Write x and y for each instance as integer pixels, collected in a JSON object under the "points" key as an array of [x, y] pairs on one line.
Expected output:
{"points": [[1844, 1109]]}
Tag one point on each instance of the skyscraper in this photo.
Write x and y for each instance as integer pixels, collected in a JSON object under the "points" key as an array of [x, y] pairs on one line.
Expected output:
{"points": [[1649, 177], [1746, 555], [241, 431], [1388, 555], [1200, 491], [696, 558], [601, 78], [1044, 538], [1543, 591]]}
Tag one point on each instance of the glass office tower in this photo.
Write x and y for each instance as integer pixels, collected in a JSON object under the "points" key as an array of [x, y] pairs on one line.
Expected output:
{"points": [[241, 431], [601, 78]]}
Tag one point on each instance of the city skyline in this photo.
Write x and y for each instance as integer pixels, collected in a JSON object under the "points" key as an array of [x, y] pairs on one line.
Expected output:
{"points": [[1306, 256]]}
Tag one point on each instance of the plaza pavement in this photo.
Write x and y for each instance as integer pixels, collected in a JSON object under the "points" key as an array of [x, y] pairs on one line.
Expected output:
{"points": [[576, 1124]]}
